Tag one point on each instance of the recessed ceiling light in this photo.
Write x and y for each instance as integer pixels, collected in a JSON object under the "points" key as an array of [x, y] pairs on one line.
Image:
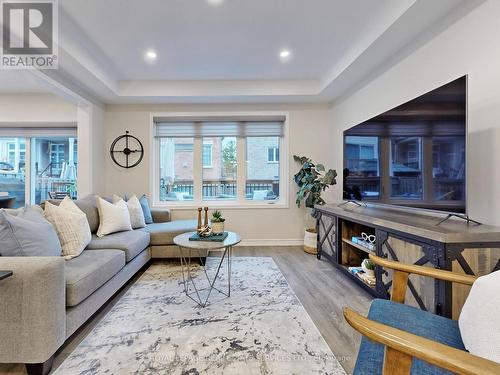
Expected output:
{"points": [[150, 55], [285, 55], [215, 2]]}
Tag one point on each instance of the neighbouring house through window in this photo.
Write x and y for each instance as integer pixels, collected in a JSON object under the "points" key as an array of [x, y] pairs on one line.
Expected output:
{"points": [[238, 162], [207, 154], [273, 154]]}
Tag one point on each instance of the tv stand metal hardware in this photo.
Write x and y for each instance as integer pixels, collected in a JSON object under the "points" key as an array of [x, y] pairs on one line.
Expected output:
{"points": [[357, 203], [463, 217]]}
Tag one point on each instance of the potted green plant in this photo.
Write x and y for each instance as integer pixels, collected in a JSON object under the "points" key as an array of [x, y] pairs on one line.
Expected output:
{"points": [[369, 267], [312, 180], [217, 222]]}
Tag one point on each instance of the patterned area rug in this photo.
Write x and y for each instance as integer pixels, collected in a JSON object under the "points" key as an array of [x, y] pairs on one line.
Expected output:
{"points": [[156, 329]]}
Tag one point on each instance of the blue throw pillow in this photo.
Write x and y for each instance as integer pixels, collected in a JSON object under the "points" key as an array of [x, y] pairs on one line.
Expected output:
{"points": [[25, 232], [148, 218]]}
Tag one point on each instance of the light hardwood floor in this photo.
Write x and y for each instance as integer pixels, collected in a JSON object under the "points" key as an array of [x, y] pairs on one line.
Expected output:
{"points": [[321, 289]]}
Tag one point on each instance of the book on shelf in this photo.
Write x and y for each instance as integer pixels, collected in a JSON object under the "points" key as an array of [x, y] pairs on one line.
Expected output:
{"points": [[362, 242], [358, 271], [370, 280], [355, 270]]}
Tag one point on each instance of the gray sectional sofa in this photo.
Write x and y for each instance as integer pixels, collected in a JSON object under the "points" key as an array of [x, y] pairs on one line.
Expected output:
{"points": [[48, 298]]}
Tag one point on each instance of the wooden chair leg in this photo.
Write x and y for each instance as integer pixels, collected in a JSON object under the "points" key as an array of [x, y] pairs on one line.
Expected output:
{"points": [[40, 368], [396, 362], [399, 286]]}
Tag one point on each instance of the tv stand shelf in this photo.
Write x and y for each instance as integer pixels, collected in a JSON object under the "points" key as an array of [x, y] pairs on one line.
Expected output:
{"points": [[411, 237], [358, 246]]}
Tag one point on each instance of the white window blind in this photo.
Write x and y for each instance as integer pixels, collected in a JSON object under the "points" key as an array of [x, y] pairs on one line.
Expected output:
{"points": [[30, 131], [219, 127]]}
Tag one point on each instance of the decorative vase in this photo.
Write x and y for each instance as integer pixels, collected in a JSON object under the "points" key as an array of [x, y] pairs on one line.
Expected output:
{"points": [[368, 271], [310, 241], [218, 227]]}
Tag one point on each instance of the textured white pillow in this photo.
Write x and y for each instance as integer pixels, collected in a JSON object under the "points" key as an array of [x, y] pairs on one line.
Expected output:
{"points": [[478, 321], [113, 217], [134, 210], [71, 225]]}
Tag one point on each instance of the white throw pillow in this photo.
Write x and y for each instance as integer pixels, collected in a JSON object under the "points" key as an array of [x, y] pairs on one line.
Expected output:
{"points": [[71, 225], [134, 210], [478, 321], [113, 217]]}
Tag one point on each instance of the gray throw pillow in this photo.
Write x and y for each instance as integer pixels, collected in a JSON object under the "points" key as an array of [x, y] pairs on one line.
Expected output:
{"points": [[88, 205], [25, 232], [28, 211], [148, 218]]}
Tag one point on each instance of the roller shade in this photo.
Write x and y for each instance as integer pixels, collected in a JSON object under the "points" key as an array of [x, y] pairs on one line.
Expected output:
{"points": [[37, 131], [197, 128]]}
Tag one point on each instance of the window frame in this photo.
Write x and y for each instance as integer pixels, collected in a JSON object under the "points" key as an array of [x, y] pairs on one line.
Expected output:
{"points": [[275, 153], [240, 201], [211, 165]]}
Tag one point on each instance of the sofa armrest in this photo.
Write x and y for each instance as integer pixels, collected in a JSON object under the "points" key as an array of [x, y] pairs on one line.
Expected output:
{"points": [[32, 309], [160, 215]]}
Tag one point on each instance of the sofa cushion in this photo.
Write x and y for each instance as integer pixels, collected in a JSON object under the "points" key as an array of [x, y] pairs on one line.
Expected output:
{"points": [[160, 215], [71, 225], [25, 232], [478, 320], [163, 233], [113, 217], [88, 272], [410, 319], [88, 205], [148, 218], [131, 242], [134, 210]]}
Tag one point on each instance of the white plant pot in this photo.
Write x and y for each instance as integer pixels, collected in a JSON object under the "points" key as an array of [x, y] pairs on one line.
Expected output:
{"points": [[217, 228], [310, 241], [370, 273]]}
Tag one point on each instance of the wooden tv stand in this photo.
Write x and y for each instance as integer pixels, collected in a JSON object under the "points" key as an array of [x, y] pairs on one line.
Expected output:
{"points": [[411, 237]]}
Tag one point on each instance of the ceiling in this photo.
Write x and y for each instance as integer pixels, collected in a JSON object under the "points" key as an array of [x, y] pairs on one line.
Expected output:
{"points": [[235, 40], [230, 52]]}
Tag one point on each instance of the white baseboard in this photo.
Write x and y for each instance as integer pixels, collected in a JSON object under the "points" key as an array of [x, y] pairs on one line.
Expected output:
{"points": [[272, 242]]}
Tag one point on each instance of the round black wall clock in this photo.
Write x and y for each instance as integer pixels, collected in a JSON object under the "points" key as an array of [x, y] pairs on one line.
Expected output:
{"points": [[126, 151]]}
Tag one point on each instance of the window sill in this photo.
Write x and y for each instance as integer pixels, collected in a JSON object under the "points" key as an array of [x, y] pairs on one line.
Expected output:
{"points": [[173, 205]]}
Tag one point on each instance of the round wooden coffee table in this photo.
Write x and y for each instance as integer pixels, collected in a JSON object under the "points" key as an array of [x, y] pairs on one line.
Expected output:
{"points": [[192, 249]]}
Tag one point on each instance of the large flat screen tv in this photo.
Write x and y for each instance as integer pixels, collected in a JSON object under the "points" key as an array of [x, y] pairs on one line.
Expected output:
{"points": [[413, 155]]}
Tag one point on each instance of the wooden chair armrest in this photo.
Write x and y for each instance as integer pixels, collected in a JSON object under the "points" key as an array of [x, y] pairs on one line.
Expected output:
{"points": [[402, 346], [424, 271]]}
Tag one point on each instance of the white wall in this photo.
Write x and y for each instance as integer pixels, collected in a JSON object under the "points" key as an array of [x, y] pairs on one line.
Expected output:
{"points": [[310, 135], [471, 46], [91, 149], [32, 108]]}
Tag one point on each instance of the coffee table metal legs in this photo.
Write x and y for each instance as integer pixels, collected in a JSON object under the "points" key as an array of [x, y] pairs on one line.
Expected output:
{"points": [[186, 254]]}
